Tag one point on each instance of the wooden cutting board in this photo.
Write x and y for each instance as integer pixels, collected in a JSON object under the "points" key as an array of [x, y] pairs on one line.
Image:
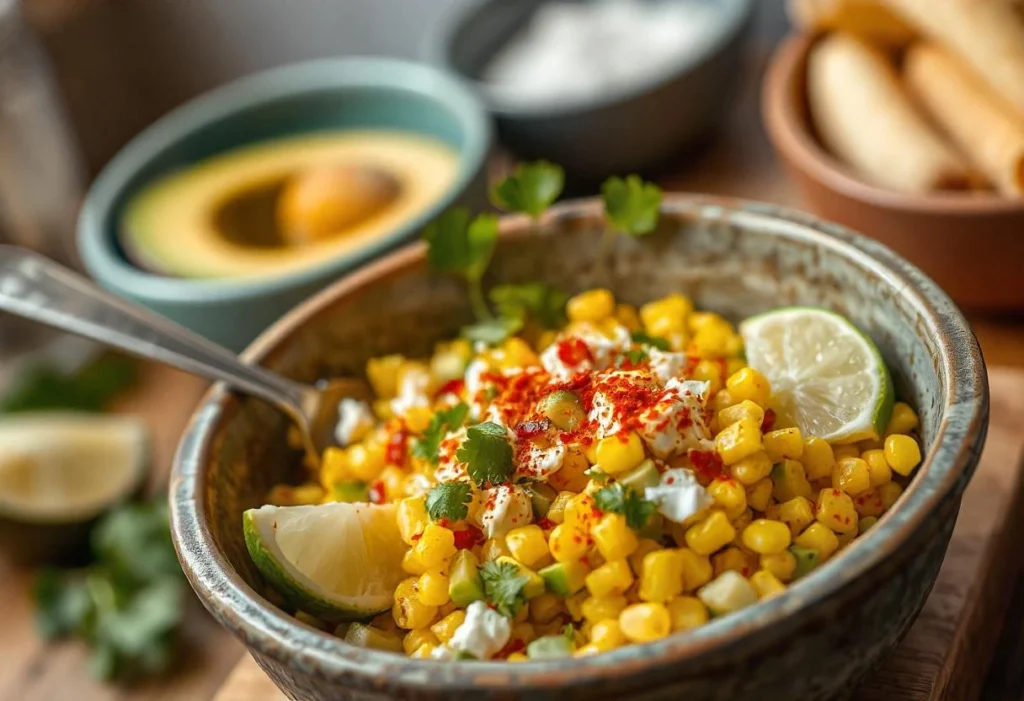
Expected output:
{"points": [[945, 655]]}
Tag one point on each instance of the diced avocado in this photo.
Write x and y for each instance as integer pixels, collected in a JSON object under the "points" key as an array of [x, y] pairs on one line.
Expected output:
{"points": [[351, 491], [806, 560], [550, 647], [464, 584], [564, 578], [365, 636], [463, 655], [541, 496], [642, 476], [563, 409], [535, 585]]}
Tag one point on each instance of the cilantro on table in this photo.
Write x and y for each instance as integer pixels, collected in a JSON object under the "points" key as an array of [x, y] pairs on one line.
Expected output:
{"points": [[487, 454], [461, 244], [627, 501], [428, 444], [449, 501], [531, 189], [652, 341], [503, 586], [91, 388], [128, 604], [631, 205]]}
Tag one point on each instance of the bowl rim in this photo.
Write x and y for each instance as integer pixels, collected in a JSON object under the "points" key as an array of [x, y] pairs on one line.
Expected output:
{"points": [[270, 632], [793, 140], [97, 245], [734, 15]]}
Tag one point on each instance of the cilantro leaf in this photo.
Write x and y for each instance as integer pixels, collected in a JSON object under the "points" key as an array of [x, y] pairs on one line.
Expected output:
{"points": [[531, 189], [487, 454], [493, 331], [652, 341], [503, 586], [597, 474], [541, 302], [463, 246], [632, 205], [636, 356], [626, 501], [427, 445], [450, 501]]}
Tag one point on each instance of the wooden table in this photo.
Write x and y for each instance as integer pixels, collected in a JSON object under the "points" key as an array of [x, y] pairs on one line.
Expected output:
{"points": [[739, 162]]}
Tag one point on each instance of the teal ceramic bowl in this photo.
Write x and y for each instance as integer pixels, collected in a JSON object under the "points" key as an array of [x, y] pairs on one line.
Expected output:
{"points": [[326, 95]]}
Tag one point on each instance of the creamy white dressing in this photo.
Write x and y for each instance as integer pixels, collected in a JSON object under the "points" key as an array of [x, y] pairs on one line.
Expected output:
{"points": [[679, 495], [483, 634], [412, 392], [676, 424], [355, 420], [505, 507]]}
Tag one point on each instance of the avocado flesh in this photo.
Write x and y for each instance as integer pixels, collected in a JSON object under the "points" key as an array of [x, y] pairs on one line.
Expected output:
{"points": [[464, 584], [550, 647], [564, 578]]}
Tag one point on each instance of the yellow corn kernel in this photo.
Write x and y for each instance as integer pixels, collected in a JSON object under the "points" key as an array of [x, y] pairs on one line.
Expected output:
{"points": [[709, 534], [606, 635], [571, 477], [527, 544], [729, 495], [444, 629], [749, 384], [869, 444], [889, 493], [423, 652], [666, 316], [866, 523], [697, 569], [417, 418], [493, 548], [524, 631], [742, 521], [628, 316], [797, 514], [903, 419], [383, 375], [436, 546], [737, 411], [714, 339], [614, 539], [720, 402], [574, 604], [738, 440], [619, 453], [766, 584], [517, 657], [432, 588], [636, 559], [852, 476], [334, 467], [789, 481], [567, 543], [735, 559], [412, 564], [835, 509], [820, 538], [818, 459], [556, 512], [414, 638], [544, 608], [393, 480], [759, 494], [522, 615], [902, 453], [845, 451], [662, 576], [782, 565], [365, 460], [517, 354], [643, 623], [408, 611], [708, 371], [868, 503], [751, 469], [879, 471], [592, 305], [847, 538], [580, 512], [766, 537], [686, 612], [783, 443], [597, 609], [613, 577]]}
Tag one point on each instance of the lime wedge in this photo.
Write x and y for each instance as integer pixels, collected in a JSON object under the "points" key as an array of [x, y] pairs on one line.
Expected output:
{"points": [[66, 467], [827, 376], [338, 561]]}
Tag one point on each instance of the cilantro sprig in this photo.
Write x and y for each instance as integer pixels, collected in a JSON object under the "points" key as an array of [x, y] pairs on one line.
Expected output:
{"points": [[515, 304], [652, 341], [449, 501], [427, 445], [631, 205], [617, 499], [531, 189], [461, 244], [487, 454], [503, 586]]}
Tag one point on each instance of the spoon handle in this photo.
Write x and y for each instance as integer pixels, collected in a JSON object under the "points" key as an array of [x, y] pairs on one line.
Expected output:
{"points": [[39, 289]]}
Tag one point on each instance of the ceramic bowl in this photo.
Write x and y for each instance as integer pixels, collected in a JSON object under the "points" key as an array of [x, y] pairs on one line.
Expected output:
{"points": [[622, 131], [812, 642], [971, 244], [332, 94]]}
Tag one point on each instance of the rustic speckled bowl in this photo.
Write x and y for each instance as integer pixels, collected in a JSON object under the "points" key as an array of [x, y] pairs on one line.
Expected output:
{"points": [[812, 642]]}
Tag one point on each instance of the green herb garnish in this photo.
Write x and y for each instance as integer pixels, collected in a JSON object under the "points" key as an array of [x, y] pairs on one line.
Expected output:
{"points": [[503, 586], [597, 474], [631, 205], [487, 454], [493, 331], [426, 447], [515, 304], [636, 356], [626, 501], [449, 501], [652, 341], [531, 189], [89, 389], [463, 245]]}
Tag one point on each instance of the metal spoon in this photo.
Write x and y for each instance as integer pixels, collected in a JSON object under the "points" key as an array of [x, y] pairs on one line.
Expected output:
{"points": [[39, 289]]}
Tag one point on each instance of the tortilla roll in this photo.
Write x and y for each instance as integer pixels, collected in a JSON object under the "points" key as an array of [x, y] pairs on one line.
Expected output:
{"points": [[986, 129], [866, 18], [987, 34], [864, 117]]}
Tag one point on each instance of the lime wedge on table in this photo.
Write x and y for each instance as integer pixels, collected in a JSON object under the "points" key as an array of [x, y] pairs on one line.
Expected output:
{"points": [[827, 376], [66, 467], [337, 561]]}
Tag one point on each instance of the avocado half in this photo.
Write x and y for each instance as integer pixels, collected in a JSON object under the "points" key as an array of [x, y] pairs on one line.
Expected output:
{"points": [[215, 219]]}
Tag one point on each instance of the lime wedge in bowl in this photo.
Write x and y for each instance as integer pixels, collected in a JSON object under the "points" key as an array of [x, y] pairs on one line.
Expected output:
{"points": [[338, 561], [827, 376]]}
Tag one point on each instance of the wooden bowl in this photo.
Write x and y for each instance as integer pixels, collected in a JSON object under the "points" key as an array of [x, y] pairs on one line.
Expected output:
{"points": [[972, 244], [812, 642]]}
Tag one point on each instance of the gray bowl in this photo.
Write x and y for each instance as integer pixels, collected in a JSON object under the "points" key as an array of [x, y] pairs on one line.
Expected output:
{"points": [[634, 129]]}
